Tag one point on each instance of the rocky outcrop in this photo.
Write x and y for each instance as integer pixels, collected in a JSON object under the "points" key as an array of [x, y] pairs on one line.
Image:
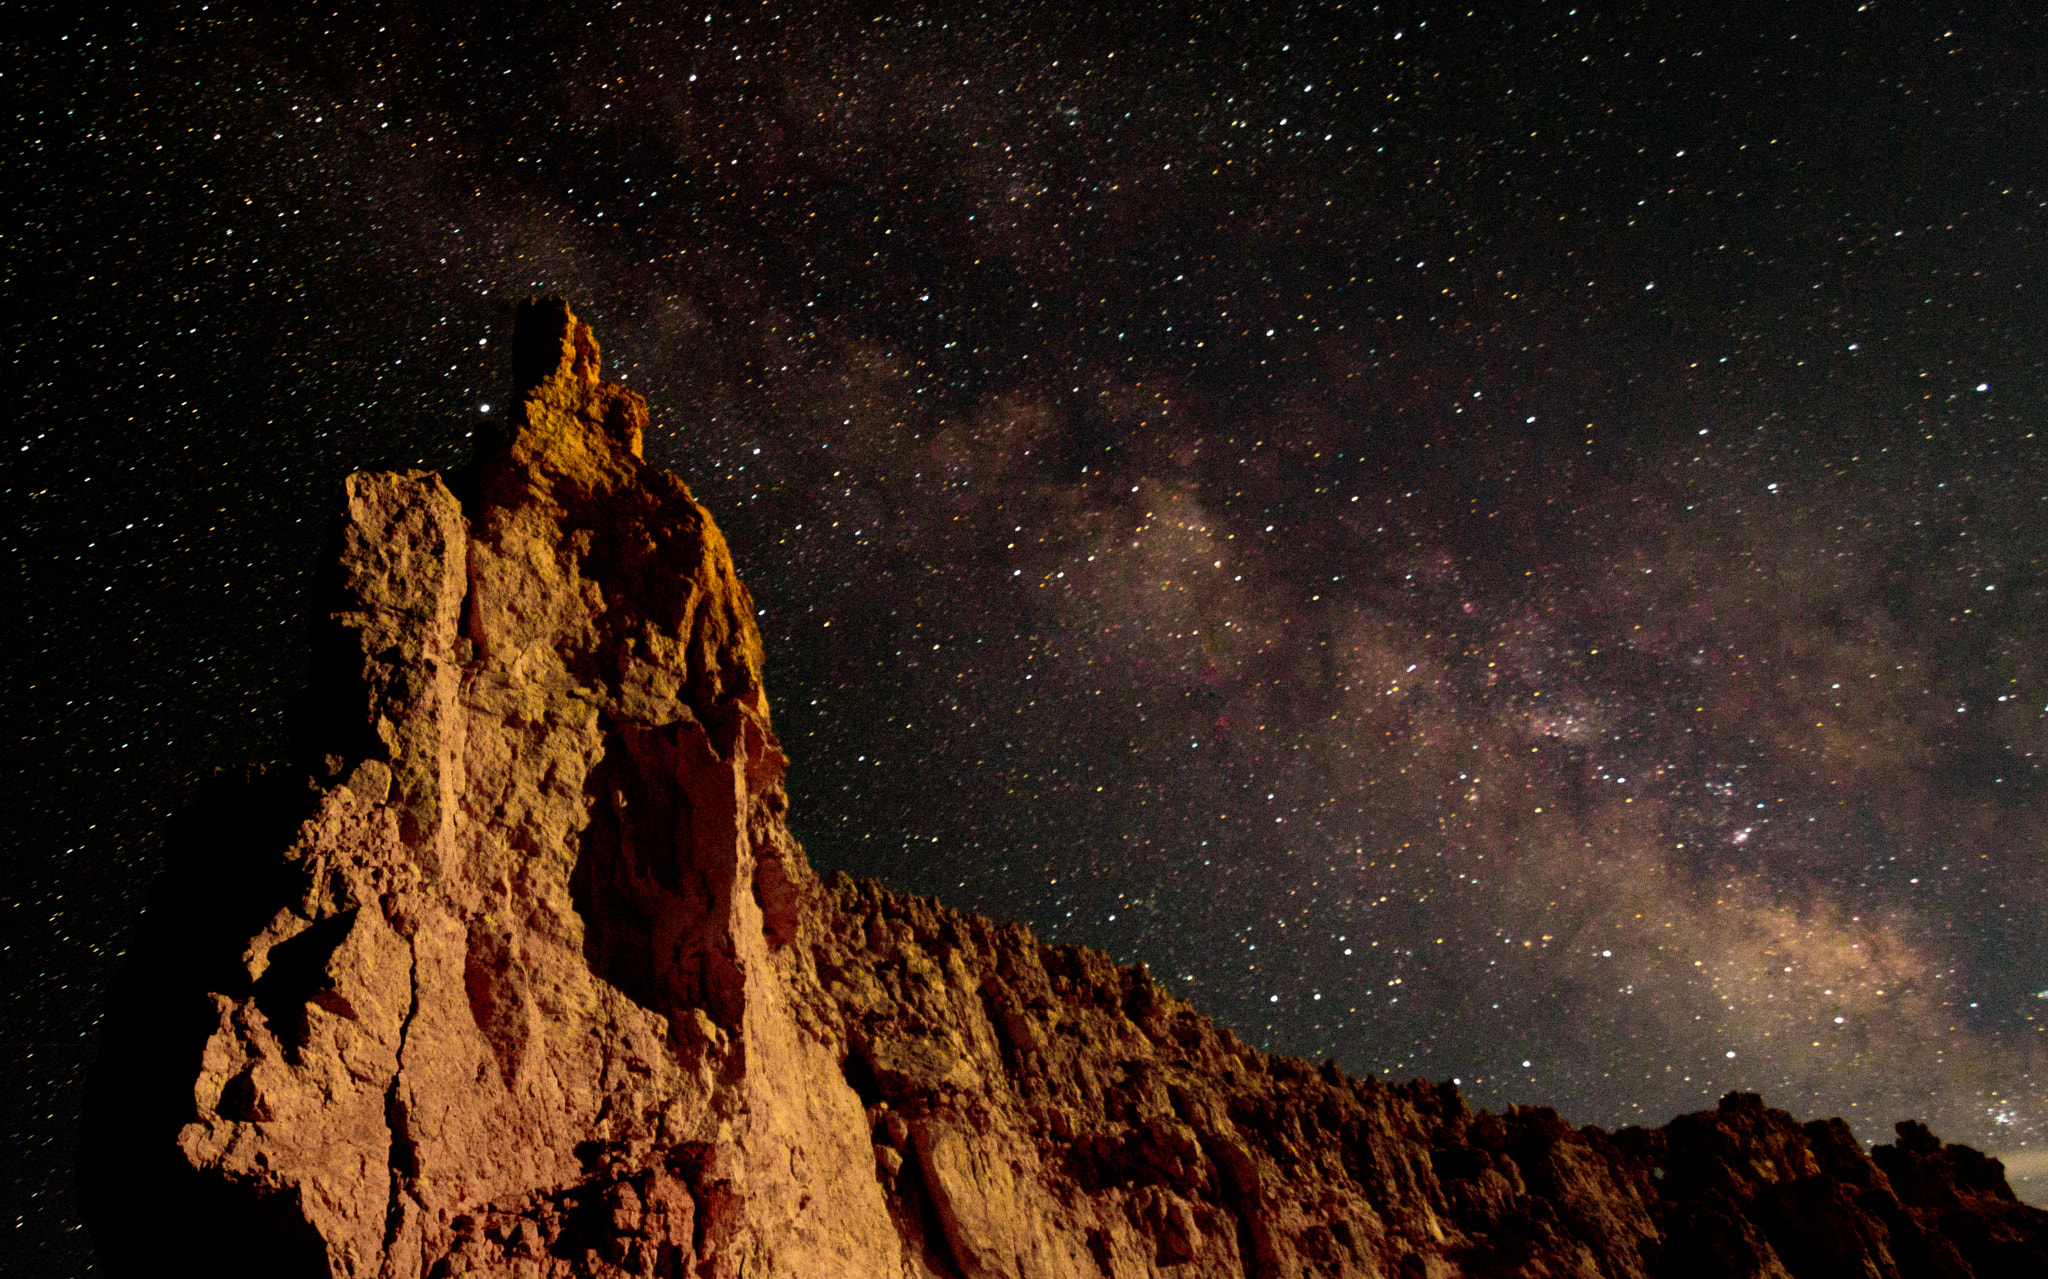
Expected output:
{"points": [[531, 979]]}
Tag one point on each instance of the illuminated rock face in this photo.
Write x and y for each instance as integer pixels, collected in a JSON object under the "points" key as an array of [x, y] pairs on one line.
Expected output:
{"points": [[537, 982]]}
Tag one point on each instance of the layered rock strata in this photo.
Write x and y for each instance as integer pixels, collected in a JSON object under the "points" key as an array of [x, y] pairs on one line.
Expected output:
{"points": [[533, 980]]}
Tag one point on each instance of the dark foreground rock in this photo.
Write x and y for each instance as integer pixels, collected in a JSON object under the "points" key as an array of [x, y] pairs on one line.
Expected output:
{"points": [[530, 979]]}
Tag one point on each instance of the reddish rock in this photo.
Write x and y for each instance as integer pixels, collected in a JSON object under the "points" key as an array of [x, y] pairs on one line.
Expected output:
{"points": [[532, 980]]}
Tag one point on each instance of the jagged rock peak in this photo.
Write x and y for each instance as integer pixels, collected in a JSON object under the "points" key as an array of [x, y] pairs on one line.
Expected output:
{"points": [[570, 466], [571, 428], [550, 344], [532, 980]]}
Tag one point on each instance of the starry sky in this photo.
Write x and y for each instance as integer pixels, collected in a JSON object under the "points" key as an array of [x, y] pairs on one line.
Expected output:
{"points": [[1503, 545]]}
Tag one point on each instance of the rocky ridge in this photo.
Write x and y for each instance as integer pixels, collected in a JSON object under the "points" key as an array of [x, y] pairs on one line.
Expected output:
{"points": [[531, 979]]}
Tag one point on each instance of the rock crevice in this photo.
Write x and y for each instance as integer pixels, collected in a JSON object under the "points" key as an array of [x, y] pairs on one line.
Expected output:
{"points": [[531, 979]]}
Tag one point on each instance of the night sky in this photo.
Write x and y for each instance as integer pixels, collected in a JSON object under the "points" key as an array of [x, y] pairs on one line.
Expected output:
{"points": [[1495, 546]]}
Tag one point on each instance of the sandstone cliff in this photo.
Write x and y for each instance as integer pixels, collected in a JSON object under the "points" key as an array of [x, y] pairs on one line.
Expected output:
{"points": [[531, 979]]}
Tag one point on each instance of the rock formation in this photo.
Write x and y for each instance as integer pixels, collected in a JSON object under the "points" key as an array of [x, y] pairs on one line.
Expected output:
{"points": [[531, 979]]}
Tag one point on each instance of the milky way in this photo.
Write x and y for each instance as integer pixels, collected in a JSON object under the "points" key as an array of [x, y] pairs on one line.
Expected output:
{"points": [[1495, 548]]}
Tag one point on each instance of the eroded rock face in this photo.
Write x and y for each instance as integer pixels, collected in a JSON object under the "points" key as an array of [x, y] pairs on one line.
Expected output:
{"points": [[534, 981]]}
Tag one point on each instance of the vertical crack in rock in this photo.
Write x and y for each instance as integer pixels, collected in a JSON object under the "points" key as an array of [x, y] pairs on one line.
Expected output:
{"points": [[527, 976], [401, 1161], [1238, 1183]]}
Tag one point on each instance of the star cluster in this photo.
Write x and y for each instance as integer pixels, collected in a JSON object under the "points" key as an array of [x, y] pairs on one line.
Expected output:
{"points": [[1495, 546]]}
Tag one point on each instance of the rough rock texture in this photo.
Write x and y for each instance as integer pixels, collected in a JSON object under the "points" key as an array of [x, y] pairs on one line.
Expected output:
{"points": [[531, 979]]}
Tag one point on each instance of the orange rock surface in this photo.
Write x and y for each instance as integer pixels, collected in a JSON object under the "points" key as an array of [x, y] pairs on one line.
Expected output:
{"points": [[532, 980]]}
